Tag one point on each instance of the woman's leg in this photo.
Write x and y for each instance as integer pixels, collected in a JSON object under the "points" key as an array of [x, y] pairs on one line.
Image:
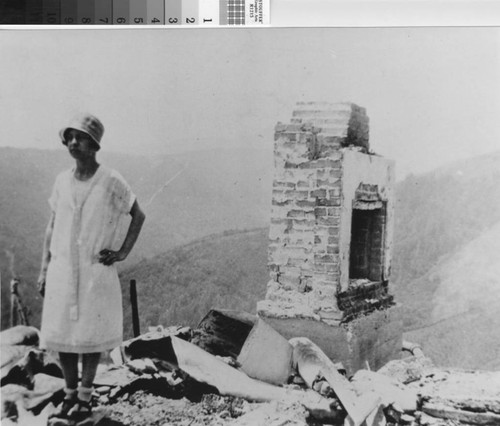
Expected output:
{"points": [[89, 368], [69, 364]]}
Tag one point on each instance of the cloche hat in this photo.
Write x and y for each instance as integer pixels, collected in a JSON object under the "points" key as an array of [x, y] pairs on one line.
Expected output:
{"points": [[88, 124]]}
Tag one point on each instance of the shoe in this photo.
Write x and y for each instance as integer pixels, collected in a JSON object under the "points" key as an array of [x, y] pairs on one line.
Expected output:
{"points": [[64, 409], [81, 410]]}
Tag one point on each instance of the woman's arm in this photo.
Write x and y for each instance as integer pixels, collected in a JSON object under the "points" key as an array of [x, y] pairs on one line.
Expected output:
{"points": [[108, 257], [46, 254]]}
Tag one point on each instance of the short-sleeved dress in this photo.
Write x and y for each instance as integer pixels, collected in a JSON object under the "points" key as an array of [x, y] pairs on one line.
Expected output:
{"points": [[82, 311]]}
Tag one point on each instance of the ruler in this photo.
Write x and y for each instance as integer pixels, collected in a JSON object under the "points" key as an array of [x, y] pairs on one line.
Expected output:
{"points": [[136, 12]]}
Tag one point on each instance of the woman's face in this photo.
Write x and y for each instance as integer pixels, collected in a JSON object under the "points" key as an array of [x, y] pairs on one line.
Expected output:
{"points": [[80, 145]]}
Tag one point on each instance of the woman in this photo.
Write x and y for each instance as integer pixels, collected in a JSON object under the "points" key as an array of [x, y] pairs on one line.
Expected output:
{"points": [[82, 312]]}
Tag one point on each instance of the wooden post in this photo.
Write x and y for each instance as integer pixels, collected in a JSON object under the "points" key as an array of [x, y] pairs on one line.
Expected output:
{"points": [[135, 309], [18, 312], [13, 310]]}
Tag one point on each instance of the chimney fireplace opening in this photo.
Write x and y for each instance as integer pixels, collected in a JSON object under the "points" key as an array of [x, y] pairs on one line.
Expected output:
{"points": [[366, 260]]}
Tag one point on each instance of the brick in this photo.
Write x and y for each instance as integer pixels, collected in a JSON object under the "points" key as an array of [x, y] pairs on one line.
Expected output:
{"points": [[320, 211], [324, 163], [290, 278], [333, 211], [290, 165], [320, 267], [303, 225], [328, 221], [324, 258], [334, 192], [336, 173], [297, 195], [332, 249], [328, 202], [282, 203], [277, 184], [332, 140], [319, 193], [333, 231], [306, 204], [323, 183], [322, 233], [296, 213], [332, 267], [280, 127], [328, 290], [322, 174]]}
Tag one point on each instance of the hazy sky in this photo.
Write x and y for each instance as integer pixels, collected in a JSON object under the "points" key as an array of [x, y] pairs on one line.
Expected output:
{"points": [[432, 94]]}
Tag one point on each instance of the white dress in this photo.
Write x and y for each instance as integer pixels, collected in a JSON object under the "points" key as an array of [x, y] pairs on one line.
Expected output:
{"points": [[82, 311]]}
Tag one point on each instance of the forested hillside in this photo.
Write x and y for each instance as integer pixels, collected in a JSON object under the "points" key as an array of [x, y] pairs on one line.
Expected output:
{"points": [[437, 214], [228, 271]]}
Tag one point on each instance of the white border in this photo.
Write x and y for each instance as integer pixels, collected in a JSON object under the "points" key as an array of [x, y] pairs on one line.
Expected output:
{"points": [[386, 13]]}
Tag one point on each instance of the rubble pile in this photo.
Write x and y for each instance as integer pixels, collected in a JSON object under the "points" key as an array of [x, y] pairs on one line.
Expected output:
{"points": [[218, 374]]}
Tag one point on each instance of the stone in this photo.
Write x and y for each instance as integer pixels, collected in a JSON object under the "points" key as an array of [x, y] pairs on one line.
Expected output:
{"points": [[142, 366], [391, 392], [20, 335], [116, 355], [33, 362], [406, 419], [115, 376], [46, 389], [266, 355], [407, 370], [98, 417], [10, 394], [103, 389], [10, 355]]}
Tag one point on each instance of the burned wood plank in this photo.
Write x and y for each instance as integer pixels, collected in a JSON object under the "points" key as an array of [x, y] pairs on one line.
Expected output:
{"points": [[156, 344], [446, 412], [223, 332]]}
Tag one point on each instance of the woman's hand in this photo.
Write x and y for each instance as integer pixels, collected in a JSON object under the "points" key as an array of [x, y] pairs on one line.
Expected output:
{"points": [[41, 283], [108, 257]]}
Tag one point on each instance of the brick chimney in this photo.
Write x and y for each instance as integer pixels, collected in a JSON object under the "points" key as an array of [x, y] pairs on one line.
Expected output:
{"points": [[330, 237]]}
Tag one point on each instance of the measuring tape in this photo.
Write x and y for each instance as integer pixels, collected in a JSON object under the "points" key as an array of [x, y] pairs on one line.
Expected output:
{"points": [[135, 12]]}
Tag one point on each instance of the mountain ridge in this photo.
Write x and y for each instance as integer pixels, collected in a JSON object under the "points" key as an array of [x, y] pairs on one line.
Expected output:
{"points": [[440, 215]]}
